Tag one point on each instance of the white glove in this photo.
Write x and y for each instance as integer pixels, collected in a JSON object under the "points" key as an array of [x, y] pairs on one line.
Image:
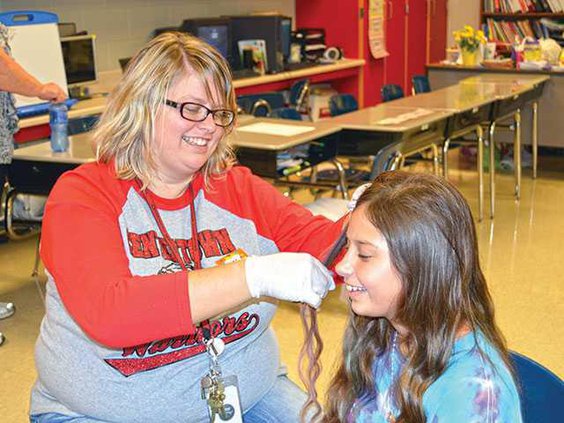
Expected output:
{"points": [[297, 277]]}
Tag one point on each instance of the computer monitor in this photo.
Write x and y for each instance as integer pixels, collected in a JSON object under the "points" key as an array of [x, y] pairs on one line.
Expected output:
{"points": [[79, 57], [275, 30], [286, 36], [214, 31]]}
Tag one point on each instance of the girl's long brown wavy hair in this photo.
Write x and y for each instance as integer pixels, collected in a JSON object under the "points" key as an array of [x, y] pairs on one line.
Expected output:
{"points": [[309, 365], [432, 241]]}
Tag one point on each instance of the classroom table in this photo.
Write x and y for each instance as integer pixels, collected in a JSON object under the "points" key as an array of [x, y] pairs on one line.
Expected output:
{"points": [[391, 134], [260, 144], [469, 108], [536, 83], [512, 94], [278, 148]]}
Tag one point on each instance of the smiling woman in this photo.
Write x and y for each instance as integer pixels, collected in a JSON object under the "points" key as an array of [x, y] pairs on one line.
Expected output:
{"points": [[157, 283]]}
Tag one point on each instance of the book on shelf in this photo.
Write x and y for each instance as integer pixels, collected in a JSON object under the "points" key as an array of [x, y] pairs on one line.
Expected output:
{"points": [[523, 6]]}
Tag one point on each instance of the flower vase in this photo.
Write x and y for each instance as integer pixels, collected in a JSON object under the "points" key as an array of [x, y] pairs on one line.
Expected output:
{"points": [[469, 58]]}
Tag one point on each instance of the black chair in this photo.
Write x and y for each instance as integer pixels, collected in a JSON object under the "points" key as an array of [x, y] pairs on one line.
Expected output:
{"points": [[340, 104], [391, 92], [541, 391], [420, 84]]}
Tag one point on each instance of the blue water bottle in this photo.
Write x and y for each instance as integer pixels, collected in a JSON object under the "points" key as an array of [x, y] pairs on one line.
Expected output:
{"points": [[58, 121]]}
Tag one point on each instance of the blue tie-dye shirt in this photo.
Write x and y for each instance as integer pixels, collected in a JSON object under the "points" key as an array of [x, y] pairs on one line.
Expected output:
{"points": [[470, 390]]}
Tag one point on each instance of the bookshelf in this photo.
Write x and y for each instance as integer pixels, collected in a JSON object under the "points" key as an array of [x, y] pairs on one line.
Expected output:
{"points": [[504, 20]]}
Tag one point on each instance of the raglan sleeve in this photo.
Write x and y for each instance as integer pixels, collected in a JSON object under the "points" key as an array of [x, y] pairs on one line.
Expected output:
{"points": [[290, 225], [82, 249]]}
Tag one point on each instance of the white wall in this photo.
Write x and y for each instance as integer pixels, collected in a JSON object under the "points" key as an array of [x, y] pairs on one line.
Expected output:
{"points": [[123, 26], [460, 13]]}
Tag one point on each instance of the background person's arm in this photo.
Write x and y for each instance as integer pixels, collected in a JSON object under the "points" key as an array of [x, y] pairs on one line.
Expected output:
{"points": [[14, 79]]}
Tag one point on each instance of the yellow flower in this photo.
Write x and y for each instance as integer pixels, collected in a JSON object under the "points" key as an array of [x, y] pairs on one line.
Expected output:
{"points": [[468, 38]]}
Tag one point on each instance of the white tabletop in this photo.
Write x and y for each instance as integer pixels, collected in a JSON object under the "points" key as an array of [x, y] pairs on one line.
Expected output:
{"points": [[81, 150], [279, 134], [388, 118], [457, 98], [510, 78]]}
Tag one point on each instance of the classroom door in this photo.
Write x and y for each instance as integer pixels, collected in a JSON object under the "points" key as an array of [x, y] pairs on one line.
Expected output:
{"points": [[437, 24], [396, 31], [416, 12]]}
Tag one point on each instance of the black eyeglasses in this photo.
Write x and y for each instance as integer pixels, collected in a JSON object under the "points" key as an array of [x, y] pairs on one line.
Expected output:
{"points": [[196, 112]]}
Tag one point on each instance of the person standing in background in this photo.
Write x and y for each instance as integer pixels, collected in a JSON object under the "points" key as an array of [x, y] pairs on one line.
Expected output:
{"points": [[15, 79]]}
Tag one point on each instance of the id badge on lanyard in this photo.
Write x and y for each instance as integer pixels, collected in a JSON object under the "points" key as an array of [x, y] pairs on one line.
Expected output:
{"points": [[221, 392]]}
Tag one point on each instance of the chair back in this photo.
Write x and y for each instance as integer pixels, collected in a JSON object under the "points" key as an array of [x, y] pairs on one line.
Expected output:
{"points": [[391, 92], [299, 92], [286, 113], [420, 84], [541, 391], [261, 108], [340, 104], [245, 102]]}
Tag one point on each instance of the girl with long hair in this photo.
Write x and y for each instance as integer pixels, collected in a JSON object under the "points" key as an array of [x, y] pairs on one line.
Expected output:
{"points": [[421, 343]]}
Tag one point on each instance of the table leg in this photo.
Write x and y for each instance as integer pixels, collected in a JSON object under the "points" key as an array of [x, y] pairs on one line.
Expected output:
{"points": [[480, 135], [517, 154], [491, 139], [534, 137]]}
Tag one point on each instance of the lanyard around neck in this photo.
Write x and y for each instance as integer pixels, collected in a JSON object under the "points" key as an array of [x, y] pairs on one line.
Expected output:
{"points": [[197, 258]]}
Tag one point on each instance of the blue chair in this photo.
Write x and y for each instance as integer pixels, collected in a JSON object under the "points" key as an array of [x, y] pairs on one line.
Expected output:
{"points": [[541, 391], [420, 84], [286, 113], [261, 108], [299, 92], [246, 102], [80, 125], [340, 104], [391, 92]]}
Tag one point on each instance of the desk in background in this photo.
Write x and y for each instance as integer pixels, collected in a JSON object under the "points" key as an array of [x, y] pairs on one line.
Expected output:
{"points": [[343, 70], [391, 133], [550, 105], [36, 168], [469, 107]]}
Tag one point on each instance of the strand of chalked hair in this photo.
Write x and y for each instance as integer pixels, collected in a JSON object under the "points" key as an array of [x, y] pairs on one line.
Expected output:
{"points": [[309, 364]]}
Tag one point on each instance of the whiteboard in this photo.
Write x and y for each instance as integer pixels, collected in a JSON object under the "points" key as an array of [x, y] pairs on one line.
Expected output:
{"points": [[37, 48]]}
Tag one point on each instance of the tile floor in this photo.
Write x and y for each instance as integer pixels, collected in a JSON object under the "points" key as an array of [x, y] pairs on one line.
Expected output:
{"points": [[521, 256]]}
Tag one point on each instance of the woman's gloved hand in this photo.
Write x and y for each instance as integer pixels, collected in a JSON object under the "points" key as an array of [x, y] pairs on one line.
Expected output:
{"points": [[297, 277]]}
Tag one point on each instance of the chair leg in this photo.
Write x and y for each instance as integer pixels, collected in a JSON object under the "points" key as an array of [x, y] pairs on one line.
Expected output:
{"points": [[435, 152], [342, 178], [446, 145], [35, 271]]}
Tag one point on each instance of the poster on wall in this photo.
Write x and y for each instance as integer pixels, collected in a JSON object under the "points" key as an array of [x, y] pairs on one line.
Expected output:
{"points": [[376, 33]]}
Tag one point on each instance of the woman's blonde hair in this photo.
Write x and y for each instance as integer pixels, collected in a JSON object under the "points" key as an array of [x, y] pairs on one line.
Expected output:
{"points": [[126, 129]]}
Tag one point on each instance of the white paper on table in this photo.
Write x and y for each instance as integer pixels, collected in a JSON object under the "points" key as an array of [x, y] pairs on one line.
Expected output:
{"points": [[275, 129], [404, 117]]}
